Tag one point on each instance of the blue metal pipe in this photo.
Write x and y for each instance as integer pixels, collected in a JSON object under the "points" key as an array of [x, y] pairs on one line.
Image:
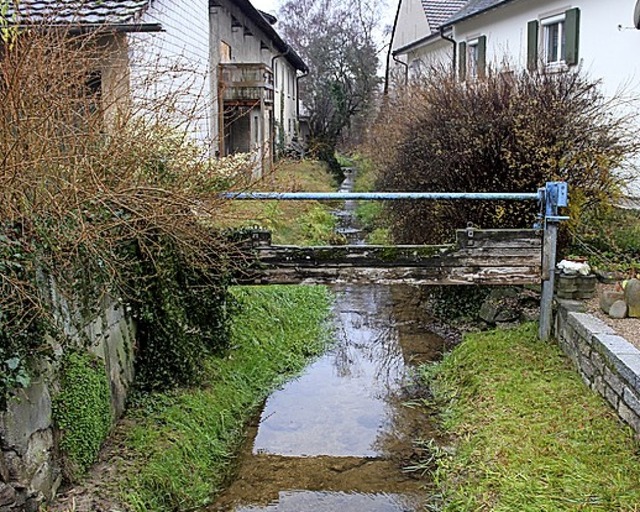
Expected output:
{"points": [[380, 196]]}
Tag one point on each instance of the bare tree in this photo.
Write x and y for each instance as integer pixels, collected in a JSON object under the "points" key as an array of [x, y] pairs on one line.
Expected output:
{"points": [[337, 40]]}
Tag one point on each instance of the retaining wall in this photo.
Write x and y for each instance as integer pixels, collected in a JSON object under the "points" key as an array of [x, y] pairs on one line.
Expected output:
{"points": [[30, 470], [608, 363]]}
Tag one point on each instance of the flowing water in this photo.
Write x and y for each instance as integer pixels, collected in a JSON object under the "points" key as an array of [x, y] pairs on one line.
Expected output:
{"points": [[337, 438]]}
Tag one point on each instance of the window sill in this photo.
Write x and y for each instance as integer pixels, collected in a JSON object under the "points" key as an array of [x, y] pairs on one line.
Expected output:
{"points": [[556, 67]]}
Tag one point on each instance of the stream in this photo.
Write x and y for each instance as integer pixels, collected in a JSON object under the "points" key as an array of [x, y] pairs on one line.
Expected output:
{"points": [[338, 437]]}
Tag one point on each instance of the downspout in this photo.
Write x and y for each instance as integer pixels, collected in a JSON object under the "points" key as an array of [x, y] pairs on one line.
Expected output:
{"points": [[389, 53], [273, 131], [455, 51], [304, 74], [406, 69]]}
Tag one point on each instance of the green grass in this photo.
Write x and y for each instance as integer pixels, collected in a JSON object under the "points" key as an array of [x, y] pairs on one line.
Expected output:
{"points": [[184, 442], [291, 222], [529, 435]]}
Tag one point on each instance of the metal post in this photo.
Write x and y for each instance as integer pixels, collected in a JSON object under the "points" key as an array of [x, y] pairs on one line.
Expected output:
{"points": [[555, 196]]}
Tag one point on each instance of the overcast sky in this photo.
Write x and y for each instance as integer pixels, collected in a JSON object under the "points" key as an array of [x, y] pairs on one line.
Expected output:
{"points": [[271, 6]]}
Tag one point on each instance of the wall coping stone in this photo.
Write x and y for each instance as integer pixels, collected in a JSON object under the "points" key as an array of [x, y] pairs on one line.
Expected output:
{"points": [[618, 379]]}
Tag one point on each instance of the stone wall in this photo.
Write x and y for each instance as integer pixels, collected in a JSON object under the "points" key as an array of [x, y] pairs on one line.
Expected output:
{"points": [[30, 464], [608, 363]]}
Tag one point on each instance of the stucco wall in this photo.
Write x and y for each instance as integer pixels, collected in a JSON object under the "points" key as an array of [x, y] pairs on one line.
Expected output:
{"points": [[605, 51], [286, 95], [412, 24], [175, 64]]}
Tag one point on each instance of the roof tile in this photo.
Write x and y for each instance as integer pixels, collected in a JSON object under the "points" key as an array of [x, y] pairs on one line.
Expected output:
{"points": [[472, 8], [439, 11], [79, 12]]}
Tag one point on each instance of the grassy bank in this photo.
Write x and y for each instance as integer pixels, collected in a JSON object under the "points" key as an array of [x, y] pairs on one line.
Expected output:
{"points": [[370, 214], [291, 222], [183, 443], [528, 435]]}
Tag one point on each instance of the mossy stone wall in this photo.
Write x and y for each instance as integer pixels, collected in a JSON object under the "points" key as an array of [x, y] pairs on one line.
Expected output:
{"points": [[82, 390]]}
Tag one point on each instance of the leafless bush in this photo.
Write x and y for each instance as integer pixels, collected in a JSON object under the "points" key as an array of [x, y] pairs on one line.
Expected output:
{"points": [[94, 177], [510, 132]]}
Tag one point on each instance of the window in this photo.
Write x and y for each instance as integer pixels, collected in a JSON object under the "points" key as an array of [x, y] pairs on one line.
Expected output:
{"points": [[554, 40], [472, 58]]}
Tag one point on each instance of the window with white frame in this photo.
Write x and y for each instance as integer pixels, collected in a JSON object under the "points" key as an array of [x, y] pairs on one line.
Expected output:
{"points": [[473, 55], [554, 41]]}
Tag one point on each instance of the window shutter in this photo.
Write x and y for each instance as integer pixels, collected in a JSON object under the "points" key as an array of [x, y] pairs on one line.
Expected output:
{"points": [[482, 56], [462, 61], [572, 31], [532, 45]]}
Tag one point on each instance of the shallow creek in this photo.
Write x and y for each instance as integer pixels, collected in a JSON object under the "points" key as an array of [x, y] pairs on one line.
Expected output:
{"points": [[337, 438]]}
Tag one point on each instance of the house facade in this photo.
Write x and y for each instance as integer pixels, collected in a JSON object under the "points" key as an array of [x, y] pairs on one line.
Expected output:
{"points": [[597, 37], [226, 76]]}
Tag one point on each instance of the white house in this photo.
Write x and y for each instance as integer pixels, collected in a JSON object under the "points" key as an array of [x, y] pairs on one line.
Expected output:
{"points": [[417, 42], [231, 79], [598, 36]]}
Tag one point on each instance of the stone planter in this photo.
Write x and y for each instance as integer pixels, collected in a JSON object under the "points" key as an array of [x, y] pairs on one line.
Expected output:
{"points": [[586, 287], [566, 286], [575, 286]]}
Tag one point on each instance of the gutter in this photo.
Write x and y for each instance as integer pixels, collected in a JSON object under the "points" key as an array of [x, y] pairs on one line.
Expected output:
{"points": [[124, 28]]}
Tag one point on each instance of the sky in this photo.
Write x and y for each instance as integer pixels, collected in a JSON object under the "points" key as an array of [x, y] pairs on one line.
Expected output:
{"points": [[271, 6]]}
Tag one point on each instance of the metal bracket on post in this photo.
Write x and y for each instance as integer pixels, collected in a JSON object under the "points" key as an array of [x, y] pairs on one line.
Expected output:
{"points": [[555, 196]]}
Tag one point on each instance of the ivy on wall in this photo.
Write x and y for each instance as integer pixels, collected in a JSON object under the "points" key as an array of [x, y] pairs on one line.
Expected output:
{"points": [[181, 315]]}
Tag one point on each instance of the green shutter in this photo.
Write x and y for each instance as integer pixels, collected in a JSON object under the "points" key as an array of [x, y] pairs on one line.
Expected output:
{"points": [[462, 61], [482, 56], [532, 45], [572, 34]]}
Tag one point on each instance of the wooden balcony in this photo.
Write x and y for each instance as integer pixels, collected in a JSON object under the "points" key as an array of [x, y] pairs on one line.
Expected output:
{"points": [[245, 84]]}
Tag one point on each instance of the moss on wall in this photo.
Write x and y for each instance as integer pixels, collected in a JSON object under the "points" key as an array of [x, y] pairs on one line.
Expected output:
{"points": [[82, 410]]}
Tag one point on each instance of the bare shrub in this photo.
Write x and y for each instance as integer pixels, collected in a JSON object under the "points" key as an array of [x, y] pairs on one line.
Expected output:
{"points": [[510, 132], [96, 192]]}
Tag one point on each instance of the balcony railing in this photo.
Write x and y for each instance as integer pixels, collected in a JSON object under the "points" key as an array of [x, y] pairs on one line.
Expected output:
{"points": [[246, 83]]}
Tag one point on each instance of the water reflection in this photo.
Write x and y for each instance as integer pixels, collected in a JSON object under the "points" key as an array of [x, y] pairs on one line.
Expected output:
{"points": [[295, 501], [340, 405]]}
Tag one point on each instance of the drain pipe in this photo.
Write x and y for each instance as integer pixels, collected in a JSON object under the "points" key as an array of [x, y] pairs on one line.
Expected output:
{"points": [[406, 69], [273, 63], [455, 51], [304, 74]]}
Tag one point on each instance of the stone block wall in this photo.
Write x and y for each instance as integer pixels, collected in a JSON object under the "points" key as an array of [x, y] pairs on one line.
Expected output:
{"points": [[30, 465], [608, 363]]}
